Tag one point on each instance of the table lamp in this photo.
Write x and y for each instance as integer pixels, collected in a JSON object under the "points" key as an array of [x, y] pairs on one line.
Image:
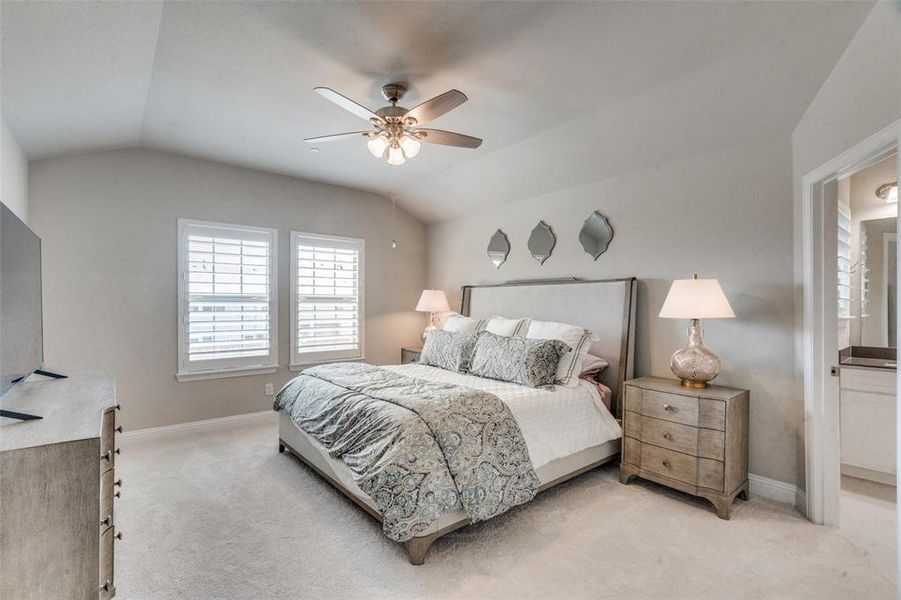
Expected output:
{"points": [[432, 301], [695, 299]]}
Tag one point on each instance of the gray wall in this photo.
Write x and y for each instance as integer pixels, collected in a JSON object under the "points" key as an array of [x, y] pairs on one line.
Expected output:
{"points": [[108, 225], [13, 174], [726, 214]]}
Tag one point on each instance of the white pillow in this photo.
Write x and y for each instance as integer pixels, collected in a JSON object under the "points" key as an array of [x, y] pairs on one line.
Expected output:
{"points": [[593, 363], [506, 327], [577, 338], [460, 324]]}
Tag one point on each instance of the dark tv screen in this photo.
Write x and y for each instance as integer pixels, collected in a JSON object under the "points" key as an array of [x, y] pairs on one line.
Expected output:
{"points": [[21, 347]]}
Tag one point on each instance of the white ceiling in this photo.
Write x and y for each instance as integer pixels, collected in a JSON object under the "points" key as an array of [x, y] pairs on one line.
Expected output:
{"points": [[562, 93]]}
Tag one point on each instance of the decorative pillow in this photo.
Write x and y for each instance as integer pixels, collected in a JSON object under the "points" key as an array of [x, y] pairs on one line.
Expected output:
{"points": [[506, 327], [459, 323], [593, 364], [517, 360], [577, 338], [448, 350]]}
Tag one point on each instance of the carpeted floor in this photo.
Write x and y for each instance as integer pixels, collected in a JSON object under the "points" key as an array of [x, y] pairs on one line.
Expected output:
{"points": [[220, 514]]}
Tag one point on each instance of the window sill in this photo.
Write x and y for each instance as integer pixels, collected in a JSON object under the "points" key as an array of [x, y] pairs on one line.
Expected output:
{"points": [[222, 373], [312, 363]]}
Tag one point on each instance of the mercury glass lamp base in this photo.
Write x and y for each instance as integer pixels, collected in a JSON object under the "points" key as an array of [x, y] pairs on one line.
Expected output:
{"points": [[695, 364]]}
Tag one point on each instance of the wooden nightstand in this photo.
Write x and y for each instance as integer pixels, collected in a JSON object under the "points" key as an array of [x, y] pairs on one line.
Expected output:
{"points": [[409, 355], [692, 440]]}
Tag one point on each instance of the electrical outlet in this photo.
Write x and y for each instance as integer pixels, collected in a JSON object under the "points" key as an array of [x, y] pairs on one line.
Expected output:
{"points": [[269, 389]]}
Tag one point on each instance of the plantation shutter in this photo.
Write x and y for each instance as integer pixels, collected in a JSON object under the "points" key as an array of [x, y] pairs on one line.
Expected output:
{"points": [[327, 298], [228, 300]]}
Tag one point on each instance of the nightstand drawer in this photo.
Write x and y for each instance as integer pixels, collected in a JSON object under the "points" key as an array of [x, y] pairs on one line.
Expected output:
{"points": [[409, 355], [632, 451], [670, 407], [710, 474], [669, 463], [711, 444], [666, 434]]}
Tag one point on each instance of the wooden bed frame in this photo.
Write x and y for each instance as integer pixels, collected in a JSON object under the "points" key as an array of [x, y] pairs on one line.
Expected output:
{"points": [[417, 547]]}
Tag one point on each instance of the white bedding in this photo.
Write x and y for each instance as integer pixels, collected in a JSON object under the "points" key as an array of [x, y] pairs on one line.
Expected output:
{"points": [[555, 422]]}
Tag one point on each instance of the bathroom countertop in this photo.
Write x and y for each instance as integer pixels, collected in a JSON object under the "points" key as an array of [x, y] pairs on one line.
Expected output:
{"points": [[868, 357]]}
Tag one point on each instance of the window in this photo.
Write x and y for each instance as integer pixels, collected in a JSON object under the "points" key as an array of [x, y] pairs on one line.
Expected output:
{"points": [[326, 298], [227, 300]]}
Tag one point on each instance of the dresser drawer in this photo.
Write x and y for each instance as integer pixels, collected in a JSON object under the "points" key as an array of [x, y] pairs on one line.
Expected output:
{"points": [[710, 474], [633, 398], [670, 407], [711, 444], [107, 440], [631, 451], [712, 414], [669, 463], [666, 434], [632, 424], [106, 499], [107, 587]]}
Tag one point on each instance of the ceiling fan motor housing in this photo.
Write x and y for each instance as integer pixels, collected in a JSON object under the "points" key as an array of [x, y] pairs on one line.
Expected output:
{"points": [[393, 92]]}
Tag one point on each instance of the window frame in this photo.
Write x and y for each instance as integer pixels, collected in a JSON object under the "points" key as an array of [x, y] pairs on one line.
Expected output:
{"points": [[297, 362], [255, 365]]}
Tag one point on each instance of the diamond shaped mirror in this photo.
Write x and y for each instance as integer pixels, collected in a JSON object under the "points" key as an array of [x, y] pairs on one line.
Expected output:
{"points": [[541, 242], [498, 248], [596, 234]]}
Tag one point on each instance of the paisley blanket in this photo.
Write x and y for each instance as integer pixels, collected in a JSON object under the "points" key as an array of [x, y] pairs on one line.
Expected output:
{"points": [[418, 448]]}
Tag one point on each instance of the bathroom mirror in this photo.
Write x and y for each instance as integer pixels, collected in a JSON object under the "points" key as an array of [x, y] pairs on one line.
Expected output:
{"points": [[498, 248], [877, 274], [541, 242], [596, 234]]}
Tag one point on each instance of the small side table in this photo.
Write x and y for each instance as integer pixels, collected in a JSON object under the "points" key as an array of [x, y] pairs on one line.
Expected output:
{"points": [[409, 355]]}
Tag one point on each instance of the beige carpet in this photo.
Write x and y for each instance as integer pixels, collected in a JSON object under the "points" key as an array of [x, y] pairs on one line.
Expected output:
{"points": [[220, 514]]}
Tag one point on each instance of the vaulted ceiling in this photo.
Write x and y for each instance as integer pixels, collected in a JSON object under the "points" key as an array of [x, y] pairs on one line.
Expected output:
{"points": [[562, 93]]}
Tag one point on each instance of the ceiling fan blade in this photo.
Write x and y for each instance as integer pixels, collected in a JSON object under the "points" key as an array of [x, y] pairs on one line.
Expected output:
{"points": [[437, 106], [346, 103], [449, 138], [337, 136]]}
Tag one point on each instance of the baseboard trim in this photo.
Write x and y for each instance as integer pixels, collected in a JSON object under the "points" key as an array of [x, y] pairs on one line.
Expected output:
{"points": [[248, 418], [774, 489]]}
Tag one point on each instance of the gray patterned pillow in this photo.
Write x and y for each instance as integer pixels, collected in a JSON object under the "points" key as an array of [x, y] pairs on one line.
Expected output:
{"points": [[518, 360], [448, 350]]}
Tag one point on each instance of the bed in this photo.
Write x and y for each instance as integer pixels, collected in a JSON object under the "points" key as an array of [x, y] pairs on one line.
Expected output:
{"points": [[568, 430]]}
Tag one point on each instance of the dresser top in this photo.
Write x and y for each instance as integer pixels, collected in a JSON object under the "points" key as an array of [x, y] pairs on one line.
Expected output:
{"points": [[673, 386], [71, 408]]}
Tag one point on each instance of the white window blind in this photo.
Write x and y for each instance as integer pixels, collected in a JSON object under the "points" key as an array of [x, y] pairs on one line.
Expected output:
{"points": [[227, 298], [326, 298], [844, 261]]}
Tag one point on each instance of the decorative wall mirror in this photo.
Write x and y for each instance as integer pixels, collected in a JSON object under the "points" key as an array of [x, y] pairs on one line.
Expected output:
{"points": [[596, 234], [498, 248], [541, 242]]}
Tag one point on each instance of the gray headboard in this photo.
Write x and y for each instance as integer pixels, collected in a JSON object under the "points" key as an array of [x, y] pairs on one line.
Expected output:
{"points": [[606, 307]]}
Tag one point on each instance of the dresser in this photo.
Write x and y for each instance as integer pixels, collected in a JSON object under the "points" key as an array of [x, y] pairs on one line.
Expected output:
{"points": [[692, 440], [409, 355], [57, 518]]}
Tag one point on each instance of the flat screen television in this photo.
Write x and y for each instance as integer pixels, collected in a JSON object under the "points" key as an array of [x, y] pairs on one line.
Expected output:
{"points": [[21, 327]]}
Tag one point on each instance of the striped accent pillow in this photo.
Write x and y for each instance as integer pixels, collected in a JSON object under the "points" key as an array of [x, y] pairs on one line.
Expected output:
{"points": [[506, 327]]}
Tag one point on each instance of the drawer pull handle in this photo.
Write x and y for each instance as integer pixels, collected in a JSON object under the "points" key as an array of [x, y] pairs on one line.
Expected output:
{"points": [[107, 456], [119, 429], [667, 464], [667, 435], [118, 407], [107, 521], [118, 450], [105, 586], [118, 482], [668, 407], [118, 536], [118, 494]]}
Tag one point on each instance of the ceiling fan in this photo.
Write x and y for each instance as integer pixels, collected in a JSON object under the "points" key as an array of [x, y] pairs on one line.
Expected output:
{"points": [[396, 129]]}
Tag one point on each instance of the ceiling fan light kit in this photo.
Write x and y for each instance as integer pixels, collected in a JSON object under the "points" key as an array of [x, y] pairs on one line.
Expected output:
{"points": [[396, 130]]}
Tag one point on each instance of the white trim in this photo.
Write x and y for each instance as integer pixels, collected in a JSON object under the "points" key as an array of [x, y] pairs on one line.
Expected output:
{"points": [[295, 363], [185, 371], [220, 373], [246, 419], [821, 425], [773, 489]]}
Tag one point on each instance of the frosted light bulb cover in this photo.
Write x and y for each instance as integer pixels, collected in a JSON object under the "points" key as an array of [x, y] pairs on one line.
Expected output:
{"points": [[396, 156], [377, 146], [410, 146]]}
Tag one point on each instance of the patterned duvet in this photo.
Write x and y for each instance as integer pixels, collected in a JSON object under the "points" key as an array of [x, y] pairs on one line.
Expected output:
{"points": [[418, 448]]}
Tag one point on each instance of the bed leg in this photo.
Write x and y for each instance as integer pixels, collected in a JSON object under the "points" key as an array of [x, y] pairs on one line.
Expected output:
{"points": [[418, 547], [281, 447]]}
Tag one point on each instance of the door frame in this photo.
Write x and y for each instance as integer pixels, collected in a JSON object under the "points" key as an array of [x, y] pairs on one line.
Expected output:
{"points": [[820, 323]]}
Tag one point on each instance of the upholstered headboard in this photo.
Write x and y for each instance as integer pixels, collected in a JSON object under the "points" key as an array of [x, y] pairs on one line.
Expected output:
{"points": [[606, 307]]}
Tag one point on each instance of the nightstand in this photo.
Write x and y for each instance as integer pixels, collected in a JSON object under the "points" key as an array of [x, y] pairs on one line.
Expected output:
{"points": [[409, 355], [692, 440]]}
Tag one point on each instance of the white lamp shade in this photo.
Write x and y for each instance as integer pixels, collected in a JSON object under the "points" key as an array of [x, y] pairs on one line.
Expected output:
{"points": [[433, 301], [696, 299]]}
